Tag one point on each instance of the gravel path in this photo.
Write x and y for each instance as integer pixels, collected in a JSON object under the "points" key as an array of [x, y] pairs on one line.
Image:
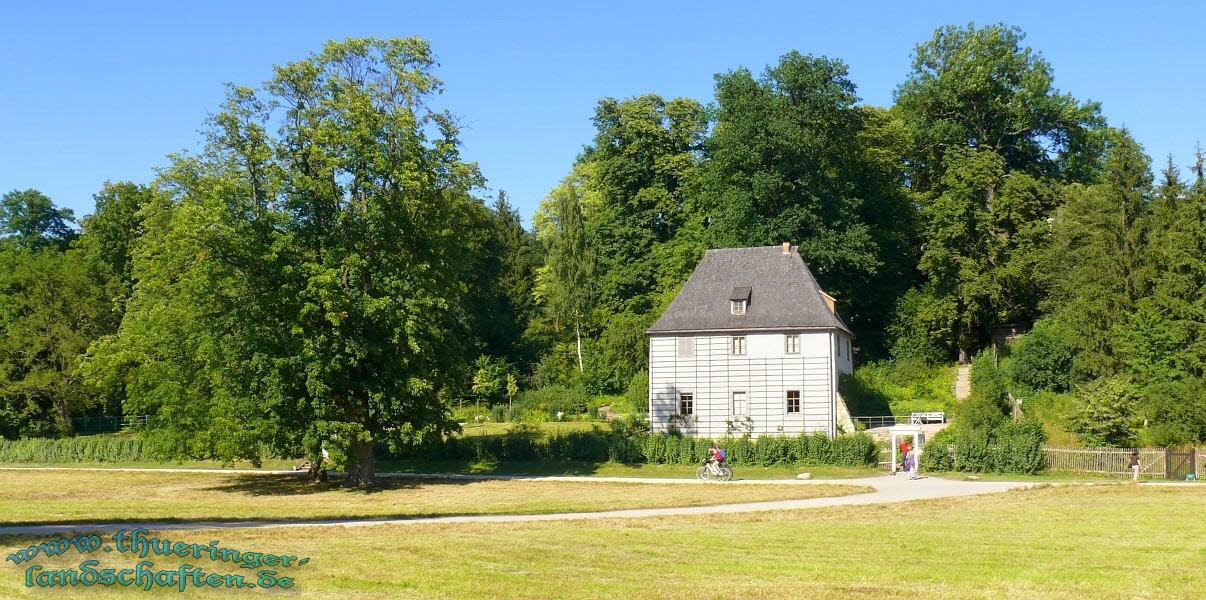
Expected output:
{"points": [[888, 489]]}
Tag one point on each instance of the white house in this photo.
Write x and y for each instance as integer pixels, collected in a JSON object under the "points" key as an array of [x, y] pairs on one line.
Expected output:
{"points": [[750, 345]]}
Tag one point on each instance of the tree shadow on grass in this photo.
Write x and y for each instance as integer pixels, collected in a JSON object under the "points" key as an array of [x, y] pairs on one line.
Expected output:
{"points": [[289, 485]]}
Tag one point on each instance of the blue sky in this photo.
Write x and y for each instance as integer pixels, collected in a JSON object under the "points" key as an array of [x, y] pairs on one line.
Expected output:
{"points": [[103, 91]]}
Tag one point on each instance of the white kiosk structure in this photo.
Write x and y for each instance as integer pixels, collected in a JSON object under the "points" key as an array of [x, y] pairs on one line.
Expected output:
{"points": [[906, 431]]}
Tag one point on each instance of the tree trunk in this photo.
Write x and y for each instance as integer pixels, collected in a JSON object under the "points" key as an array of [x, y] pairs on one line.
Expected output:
{"points": [[317, 473], [578, 333], [361, 471]]}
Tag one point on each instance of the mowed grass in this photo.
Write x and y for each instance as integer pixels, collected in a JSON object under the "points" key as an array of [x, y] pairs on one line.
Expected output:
{"points": [[473, 467], [1109, 541], [30, 496]]}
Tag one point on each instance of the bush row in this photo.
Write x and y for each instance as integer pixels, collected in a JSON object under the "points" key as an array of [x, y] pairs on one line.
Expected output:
{"points": [[592, 446], [1016, 447], [79, 449], [597, 446]]}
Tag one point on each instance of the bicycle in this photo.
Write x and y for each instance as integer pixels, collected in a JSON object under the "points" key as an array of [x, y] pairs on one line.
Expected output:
{"points": [[714, 471]]}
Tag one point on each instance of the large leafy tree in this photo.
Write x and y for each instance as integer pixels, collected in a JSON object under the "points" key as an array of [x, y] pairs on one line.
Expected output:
{"points": [[993, 140], [1100, 264], [307, 288], [567, 282], [793, 157], [645, 151], [29, 219], [109, 233], [53, 304]]}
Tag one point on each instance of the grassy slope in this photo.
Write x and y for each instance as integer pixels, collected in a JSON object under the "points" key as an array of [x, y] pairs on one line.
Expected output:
{"points": [[67, 497], [1064, 542]]}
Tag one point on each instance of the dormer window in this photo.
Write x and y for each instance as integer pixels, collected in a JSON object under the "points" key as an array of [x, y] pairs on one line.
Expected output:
{"points": [[739, 300]]}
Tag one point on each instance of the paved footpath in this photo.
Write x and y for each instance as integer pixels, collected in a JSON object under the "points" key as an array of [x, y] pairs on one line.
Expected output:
{"points": [[887, 490]]}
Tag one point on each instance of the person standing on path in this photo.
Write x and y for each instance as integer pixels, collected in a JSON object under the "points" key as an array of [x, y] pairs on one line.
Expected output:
{"points": [[911, 461], [904, 453], [1134, 466]]}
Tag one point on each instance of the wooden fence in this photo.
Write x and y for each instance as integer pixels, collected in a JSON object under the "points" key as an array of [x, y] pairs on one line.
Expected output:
{"points": [[1106, 461]]}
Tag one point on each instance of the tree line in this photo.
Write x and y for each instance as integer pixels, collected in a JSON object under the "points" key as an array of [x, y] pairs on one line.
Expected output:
{"points": [[326, 272]]}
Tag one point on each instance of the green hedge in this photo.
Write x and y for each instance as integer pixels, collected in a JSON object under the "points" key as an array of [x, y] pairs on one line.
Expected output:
{"points": [[1015, 447], [521, 446], [597, 446], [78, 449]]}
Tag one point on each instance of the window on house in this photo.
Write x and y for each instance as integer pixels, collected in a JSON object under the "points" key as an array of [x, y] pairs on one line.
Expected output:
{"points": [[737, 307], [791, 344], [839, 347], [686, 404], [793, 401], [686, 347], [740, 406], [738, 344]]}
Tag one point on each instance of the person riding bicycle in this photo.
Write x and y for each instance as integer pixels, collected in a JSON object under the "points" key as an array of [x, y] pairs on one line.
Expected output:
{"points": [[716, 456]]}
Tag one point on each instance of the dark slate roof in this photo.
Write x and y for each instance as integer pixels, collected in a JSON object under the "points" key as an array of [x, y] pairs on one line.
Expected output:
{"points": [[783, 294]]}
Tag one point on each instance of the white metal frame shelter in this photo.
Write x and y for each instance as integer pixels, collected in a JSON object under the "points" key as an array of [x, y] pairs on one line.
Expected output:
{"points": [[906, 431]]}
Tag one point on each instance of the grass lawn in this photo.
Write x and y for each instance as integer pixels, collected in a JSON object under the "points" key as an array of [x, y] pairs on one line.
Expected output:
{"points": [[610, 469], [92, 496], [1051, 542], [547, 428], [585, 469]]}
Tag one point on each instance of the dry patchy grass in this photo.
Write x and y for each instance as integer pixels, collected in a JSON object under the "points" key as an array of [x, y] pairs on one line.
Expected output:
{"points": [[68, 496], [1053, 542]]}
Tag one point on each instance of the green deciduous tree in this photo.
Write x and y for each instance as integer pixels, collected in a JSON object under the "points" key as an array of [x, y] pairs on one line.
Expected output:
{"points": [[31, 220], [794, 158], [53, 304], [307, 288], [993, 140], [568, 284]]}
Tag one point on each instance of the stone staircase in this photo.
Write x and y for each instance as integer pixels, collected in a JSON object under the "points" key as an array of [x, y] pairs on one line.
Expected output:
{"points": [[963, 383]]}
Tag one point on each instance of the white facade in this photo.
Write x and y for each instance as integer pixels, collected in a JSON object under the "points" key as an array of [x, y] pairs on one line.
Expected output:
{"points": [[717, 384]]}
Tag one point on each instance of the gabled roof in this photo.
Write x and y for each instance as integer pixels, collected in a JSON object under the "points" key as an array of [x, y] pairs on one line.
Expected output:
{"points": [[782, 294]]}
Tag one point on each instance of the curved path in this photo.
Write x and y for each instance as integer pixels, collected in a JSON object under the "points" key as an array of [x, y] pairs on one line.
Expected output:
{"points": [[888, 489]]}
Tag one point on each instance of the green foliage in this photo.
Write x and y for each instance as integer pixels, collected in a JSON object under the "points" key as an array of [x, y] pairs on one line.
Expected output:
{"points": [[637, 394], [789, 160], [30, 220], [1175, 412], [898, 388], [546, 403], [1107, 412], [1043, 358], [309, 285], [921, 327], [1012, 447], [490, 375], [994, 139], [597, 446], [92, 449], [53, 304]]}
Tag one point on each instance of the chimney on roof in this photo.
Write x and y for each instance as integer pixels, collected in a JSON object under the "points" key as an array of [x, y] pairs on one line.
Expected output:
{"points": [[786, 247], [830, 301]]}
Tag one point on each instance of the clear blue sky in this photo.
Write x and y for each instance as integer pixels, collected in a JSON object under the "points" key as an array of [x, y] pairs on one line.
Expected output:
{"points": [[103, 91]]}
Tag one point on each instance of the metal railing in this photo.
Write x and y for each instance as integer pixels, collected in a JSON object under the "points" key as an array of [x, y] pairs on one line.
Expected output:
{"points": [[880, 421]]}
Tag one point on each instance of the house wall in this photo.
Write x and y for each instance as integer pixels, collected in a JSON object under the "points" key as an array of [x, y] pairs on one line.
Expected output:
{"points": [[766, 372], [844, 353]]}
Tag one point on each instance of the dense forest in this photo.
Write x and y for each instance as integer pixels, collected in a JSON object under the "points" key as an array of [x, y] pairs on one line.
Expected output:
{"points": [[327, 271]]}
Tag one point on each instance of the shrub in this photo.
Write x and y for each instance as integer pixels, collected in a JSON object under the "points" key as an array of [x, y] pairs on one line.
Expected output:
{"points": [[1107, 412], [1014, 447], [548, 401], [1042, 359]]}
